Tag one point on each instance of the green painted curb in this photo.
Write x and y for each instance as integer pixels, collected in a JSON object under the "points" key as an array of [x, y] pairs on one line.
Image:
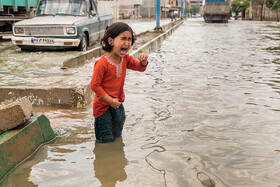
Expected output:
{"points": [[18, 144], [46, 129]]}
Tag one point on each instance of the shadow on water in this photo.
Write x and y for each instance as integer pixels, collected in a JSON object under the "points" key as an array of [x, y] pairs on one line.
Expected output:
{"points": [[110, 162]]}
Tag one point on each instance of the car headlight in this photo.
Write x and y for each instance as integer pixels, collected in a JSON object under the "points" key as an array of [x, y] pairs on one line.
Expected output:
{"points": [[70, 30], [19, 30]]}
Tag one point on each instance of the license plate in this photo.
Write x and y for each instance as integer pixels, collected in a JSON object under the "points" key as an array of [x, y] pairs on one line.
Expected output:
{"points": [[42, 41]]}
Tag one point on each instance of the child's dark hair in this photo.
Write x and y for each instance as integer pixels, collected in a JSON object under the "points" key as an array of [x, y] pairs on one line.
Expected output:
{"points": [[113, 31]]}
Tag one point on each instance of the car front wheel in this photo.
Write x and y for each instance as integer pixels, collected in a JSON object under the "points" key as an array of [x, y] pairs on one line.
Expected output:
{"points": [[83, 44]]}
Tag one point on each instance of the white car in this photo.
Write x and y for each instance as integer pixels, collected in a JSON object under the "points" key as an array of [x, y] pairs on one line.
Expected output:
{"points": [[61, 24]]}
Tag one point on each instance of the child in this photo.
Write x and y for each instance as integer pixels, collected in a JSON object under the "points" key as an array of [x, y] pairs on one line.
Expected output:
{"points": [[108, 80]]}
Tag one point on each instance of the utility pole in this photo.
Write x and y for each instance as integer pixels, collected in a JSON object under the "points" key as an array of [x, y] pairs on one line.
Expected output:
{"points": [[158, 16], [185, 12], [149, 8], [115, 10], [196, 7], [182, 9]]}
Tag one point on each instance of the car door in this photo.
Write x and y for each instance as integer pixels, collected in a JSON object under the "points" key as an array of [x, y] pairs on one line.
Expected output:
{"points": [[94, 27]]}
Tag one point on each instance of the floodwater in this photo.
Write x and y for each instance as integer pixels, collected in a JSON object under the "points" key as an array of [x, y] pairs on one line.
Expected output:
{"points": [[41, 69], [205, 113]]}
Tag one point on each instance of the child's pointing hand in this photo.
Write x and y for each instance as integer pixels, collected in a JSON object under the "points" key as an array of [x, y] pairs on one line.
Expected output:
{"points": [[143, 58]]}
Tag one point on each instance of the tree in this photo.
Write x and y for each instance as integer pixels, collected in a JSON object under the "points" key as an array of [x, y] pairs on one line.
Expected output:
{"points": [[238, 6], [273, 5], [192, 10], [260, 2]]}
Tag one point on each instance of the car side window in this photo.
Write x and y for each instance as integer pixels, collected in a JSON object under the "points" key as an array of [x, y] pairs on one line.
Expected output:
{"points": [[93, 6]]}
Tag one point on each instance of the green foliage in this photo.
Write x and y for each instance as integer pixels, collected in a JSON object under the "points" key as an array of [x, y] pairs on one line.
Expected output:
{"points": [[260, 2], [269, 3], [239, 5], [193, 9], [272, 4]]}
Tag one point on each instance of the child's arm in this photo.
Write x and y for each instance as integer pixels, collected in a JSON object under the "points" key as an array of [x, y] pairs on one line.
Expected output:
{"points": [[143, 58], [136, 65], [95, 82], [113, 102], [97, 77]]}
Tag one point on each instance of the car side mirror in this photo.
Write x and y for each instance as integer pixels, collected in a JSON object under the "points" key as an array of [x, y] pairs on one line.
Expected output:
{"points": [[92, 13]]}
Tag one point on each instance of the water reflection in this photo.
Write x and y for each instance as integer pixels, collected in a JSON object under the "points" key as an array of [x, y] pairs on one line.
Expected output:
{"points": [[110, 162], [22, 177]]}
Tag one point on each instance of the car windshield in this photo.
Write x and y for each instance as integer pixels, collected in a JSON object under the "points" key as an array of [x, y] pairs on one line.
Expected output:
{"points": [[59, 7]]}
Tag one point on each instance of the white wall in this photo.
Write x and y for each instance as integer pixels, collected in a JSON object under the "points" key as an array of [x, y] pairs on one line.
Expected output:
{"points": [[109, 7], [131, 2]]}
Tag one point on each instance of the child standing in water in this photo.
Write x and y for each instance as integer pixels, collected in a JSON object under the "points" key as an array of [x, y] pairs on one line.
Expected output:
{"points": [[108, 80]]}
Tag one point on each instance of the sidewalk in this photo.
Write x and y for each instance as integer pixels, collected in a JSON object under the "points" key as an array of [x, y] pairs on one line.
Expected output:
{"points": [[142, 25]]}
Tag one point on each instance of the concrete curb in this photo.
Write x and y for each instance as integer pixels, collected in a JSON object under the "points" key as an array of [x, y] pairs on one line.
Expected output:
{"points": [[154, 44], [15, 113], [18, 144], [80, 59], [75, 97], [67, 97]]}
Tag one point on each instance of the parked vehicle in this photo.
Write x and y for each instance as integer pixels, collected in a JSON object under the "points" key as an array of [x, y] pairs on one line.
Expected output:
{"points": [[61, 24], [216, 11], [16, 10]]}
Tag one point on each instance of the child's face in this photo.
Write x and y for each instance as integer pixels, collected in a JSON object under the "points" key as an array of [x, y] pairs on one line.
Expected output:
{"points": [[122, 43]]}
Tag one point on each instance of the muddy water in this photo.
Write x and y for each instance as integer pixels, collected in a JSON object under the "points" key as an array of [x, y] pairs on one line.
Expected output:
{"points": [[23, 68], [205, 113], [36, 69]]}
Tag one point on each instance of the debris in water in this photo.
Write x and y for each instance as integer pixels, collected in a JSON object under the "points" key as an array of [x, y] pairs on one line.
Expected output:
{"points": [[205, 179]]}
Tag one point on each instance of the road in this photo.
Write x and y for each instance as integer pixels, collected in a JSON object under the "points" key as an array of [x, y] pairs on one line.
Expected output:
{"points": [[205, 113], [33, 69]]}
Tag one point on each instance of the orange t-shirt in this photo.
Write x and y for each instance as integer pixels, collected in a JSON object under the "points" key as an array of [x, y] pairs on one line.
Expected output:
{"points": [[108, 78]]}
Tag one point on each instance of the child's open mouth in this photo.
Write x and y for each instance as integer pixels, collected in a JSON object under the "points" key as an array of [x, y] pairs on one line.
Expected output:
{"points": [[123, 50]]}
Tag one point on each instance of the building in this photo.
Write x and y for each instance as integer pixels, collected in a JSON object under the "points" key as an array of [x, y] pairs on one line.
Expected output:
{"points": [[147, 8], [198, 4], [175, 6], [167, 6], [109, 7], [130, 8]]}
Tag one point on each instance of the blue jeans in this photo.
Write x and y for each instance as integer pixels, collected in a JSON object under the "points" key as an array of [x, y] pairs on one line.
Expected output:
{"points": [[109, 125]]}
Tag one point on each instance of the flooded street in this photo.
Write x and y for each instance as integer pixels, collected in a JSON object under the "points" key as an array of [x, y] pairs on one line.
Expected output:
{"points": [[37, 69], [204, 113]]}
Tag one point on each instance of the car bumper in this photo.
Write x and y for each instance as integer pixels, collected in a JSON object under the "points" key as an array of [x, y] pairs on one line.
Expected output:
{"points": [[35, 41]]}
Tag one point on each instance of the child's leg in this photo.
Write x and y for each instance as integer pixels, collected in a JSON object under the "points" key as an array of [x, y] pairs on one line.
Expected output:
{"points": [[118, 121], [103, 127]]}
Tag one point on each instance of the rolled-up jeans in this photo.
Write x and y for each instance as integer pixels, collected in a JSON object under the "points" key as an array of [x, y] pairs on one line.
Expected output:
{"points": [[109, 125]]}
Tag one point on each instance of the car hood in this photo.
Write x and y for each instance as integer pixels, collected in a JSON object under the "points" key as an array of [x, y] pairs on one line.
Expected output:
{"points": [[50, 20]]}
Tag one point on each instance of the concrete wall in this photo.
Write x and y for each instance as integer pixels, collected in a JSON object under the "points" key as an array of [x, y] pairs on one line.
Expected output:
{"points": [[131, 2], [148, 9], [271, 14], [130, 9], [68, 97], [268, 15], [109, 7]]}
